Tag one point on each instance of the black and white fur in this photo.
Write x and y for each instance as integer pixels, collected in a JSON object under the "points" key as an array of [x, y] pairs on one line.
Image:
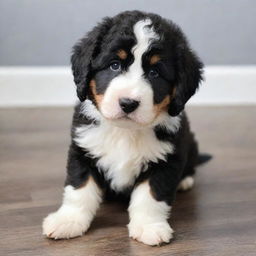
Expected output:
{"points": [[144, 154]]}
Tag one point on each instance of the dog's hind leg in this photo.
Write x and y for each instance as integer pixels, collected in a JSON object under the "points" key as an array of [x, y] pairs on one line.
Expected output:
{"points": [[187, 179]]}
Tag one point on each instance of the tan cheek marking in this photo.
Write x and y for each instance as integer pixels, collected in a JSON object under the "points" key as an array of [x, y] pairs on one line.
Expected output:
{"points": [[154, 59], [122, 54], [162, 106], [98, 97]]}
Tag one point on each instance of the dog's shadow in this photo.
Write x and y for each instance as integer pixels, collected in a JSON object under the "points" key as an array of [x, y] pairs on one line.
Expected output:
{"points": [[111, 214], [114, 214]]}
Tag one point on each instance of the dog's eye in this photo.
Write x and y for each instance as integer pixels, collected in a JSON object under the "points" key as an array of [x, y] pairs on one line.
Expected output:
{"points": [[153, 73], [115, 66]]}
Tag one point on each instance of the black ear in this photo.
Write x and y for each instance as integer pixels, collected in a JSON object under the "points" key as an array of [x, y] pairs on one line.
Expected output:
{"points": [[83, 53], [189, 76]]}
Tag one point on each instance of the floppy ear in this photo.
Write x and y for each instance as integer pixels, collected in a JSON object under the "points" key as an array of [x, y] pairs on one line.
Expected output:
{"points": [[189, 69], [83, 53]]}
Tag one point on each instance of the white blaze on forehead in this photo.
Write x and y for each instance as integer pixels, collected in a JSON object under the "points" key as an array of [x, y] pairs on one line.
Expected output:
{"points": [[144, 35]]}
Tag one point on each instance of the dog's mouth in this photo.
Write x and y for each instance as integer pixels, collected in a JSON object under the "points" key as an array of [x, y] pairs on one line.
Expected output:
{"points": [[125, 117], [129, 122], [126, 122], [122, 118]]}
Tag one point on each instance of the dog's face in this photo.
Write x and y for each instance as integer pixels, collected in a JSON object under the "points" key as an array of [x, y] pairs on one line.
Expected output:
{"points": [[132, 83], [135, 67]]}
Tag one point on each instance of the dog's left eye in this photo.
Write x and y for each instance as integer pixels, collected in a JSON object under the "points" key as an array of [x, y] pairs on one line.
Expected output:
{"points": [[115, 66], [153, 73]]}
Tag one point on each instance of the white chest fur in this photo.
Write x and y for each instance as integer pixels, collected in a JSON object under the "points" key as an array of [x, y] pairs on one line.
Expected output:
{"points": [[121, 152]]}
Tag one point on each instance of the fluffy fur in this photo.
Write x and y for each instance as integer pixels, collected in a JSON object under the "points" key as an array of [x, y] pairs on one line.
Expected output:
{"points": [[76, 213], [130, 138], [148, 217]]}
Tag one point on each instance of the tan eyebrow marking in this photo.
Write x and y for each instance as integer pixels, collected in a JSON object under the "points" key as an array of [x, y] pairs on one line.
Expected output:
{"points": [[154, 59], [162, 106], [122, 54]]}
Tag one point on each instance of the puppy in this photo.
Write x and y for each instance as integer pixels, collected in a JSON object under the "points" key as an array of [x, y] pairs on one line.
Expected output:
{"points": [[130, 136]]}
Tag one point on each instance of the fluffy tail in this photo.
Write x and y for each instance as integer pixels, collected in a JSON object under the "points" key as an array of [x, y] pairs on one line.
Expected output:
{"points": [[203, 158]]}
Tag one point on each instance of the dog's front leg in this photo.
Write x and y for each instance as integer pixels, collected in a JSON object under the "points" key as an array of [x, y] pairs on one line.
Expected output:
{"points": [[148, 217], [150, 205], [80, 201]]}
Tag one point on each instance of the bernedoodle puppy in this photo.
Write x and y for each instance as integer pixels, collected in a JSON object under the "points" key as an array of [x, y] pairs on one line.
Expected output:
{"points": [[134, 74]]}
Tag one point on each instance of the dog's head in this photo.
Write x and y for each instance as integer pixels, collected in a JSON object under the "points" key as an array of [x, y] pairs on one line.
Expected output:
{"points": [[134, 67]]}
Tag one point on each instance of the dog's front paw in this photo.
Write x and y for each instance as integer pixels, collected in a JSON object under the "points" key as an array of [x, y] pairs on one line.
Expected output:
{"points": [[65, 224], [151, 234]]}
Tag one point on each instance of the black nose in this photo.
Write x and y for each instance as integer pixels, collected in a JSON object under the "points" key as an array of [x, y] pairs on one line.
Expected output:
{"points": [[128, 105]]}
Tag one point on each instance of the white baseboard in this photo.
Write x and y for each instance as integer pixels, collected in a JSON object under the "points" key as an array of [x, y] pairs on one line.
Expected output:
{"points": [[36, 86], [53, 86], [227, 85]]}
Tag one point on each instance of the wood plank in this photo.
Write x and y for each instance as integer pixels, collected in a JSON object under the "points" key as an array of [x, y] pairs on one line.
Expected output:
{"points": [[217, 217]]}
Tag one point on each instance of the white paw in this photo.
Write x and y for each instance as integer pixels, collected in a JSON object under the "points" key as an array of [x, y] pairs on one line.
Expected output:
{"points": [[151, 234], [186, 184], [65, 224]]}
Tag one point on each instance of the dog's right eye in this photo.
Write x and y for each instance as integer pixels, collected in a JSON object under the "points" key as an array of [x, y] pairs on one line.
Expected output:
{"points": [[115, 66]]}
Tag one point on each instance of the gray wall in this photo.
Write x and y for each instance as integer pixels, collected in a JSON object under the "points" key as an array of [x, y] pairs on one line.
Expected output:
{"points": [[42, 32]]}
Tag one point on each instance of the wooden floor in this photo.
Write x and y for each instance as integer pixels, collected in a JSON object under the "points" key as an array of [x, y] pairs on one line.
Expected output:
{"points": [[218, 217]]}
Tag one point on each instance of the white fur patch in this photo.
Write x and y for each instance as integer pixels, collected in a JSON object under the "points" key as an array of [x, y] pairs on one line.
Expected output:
{"points": [[123, 153], [131, 84], [186, 184], [148, 217], [90, 111], [74, 216]]}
